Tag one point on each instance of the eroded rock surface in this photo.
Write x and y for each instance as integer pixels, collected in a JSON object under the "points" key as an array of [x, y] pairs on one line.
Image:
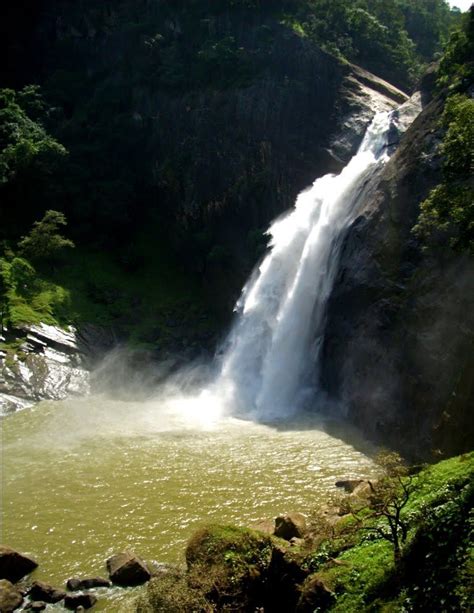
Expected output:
{"points": [[290, 526], [75, 583], [48, 365]]}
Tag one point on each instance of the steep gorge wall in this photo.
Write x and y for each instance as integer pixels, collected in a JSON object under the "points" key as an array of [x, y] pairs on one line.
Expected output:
{"points": [[400, 330]]}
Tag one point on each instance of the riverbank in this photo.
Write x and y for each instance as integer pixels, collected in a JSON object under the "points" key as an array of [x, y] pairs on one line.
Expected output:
{"points": [[343, 566]]}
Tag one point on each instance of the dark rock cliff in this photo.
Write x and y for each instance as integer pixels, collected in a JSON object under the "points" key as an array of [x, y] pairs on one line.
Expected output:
{"points": [[400, 328]]}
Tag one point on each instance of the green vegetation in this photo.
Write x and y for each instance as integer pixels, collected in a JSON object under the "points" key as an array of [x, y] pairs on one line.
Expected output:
{"points": [[456, 64], [28, 297], [447, 215], [44, 242], [158, 306], [395, 40], [367, 579]]}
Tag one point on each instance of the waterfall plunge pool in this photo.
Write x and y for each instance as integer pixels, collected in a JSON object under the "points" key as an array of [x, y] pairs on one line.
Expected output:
{"points": [[86, 478]]}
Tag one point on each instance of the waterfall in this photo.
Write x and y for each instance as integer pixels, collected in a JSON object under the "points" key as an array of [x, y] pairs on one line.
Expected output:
{"points": [[275, 343]]}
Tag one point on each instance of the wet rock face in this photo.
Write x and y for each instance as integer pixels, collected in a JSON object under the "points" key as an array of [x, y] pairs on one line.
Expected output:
{"points": [[48, 365], [36, 605], [75, 583], [127, 569], [260, 145], [397, 352], [46, 593]]}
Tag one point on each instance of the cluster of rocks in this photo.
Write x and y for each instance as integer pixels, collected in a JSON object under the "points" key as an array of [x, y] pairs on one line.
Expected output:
{"points": [[124, 569]]}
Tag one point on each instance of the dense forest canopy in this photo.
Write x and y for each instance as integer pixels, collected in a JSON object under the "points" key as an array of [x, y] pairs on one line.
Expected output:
{"points": [[73, 134], [177, 46]]}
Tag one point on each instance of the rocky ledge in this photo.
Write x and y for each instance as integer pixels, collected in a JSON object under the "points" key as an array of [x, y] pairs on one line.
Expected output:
{"points": [[41, 362]]}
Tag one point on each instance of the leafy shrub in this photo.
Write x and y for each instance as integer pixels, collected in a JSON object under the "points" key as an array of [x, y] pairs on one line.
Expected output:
{"points": [[44, 241]]}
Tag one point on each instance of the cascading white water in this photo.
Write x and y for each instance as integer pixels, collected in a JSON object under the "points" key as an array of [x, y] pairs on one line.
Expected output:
{"points": [[281, 311]]}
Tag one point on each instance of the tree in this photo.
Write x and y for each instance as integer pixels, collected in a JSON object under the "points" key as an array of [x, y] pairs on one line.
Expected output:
{"points": [[44, 241], [387, 500], [25, 146]]}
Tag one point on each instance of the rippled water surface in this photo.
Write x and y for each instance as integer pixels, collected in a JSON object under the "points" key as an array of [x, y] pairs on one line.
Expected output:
{"points": [[86, 478]]}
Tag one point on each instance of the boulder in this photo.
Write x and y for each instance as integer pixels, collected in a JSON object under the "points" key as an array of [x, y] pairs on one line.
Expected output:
{"points": [[36, 605], [285, 574], [349, 485], [127, 569], [229, 565], [315, 595], [290, 525], [75, 583], [267, 526], [73, 602], [10, 597], [13, 565], [43, 591], [364, 490]]}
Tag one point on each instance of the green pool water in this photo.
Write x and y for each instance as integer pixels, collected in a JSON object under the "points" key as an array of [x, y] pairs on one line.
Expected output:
{"points": [[83, 479]]}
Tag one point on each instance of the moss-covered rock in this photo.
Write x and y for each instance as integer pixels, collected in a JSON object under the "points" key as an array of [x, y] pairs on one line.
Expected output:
{"points": [[229, 565], [170, 591], [10, 597], [315, 595]]}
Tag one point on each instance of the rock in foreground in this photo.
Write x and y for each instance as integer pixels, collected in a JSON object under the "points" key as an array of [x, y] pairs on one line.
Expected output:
{"points": [[13, 565], [126, 569], [229, 565], [45, 592], [74, 601], [315, 596], [75, 583], [10, 597], [290, 526]]}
